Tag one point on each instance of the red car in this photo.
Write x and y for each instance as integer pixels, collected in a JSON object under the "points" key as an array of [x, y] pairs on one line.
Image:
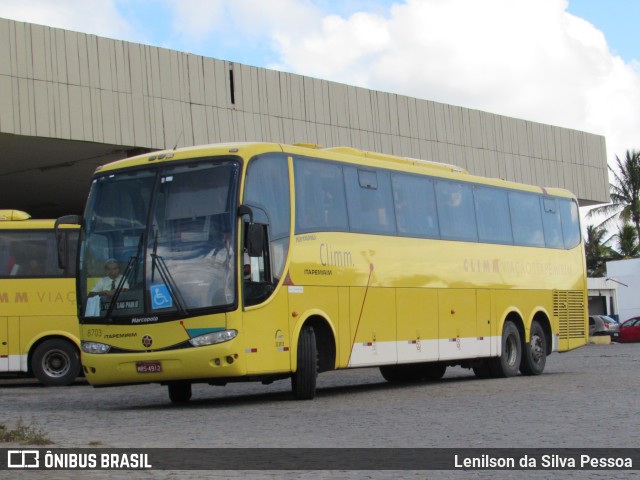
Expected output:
{"points": [[630, 330]]}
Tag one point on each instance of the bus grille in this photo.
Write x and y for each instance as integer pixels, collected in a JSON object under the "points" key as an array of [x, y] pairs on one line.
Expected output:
{"points": [[568, 308]]}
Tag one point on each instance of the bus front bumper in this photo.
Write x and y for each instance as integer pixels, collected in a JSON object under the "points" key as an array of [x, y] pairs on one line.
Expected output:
{"points": [[198, 363]]}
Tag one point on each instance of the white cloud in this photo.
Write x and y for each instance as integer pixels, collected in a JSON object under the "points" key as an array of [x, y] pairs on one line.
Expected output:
{"points": [[523, 58], [238, 23], [96, 17]]}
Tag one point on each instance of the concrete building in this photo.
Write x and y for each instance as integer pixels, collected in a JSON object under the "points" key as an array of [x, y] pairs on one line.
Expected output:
{"points": [[70, 102]]}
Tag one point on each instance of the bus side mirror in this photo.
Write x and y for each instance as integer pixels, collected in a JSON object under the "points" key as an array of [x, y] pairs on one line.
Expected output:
{"points": [[255, 239], [61, 238]]}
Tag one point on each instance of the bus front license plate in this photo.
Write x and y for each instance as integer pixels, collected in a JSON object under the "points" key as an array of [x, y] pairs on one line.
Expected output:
{"points": [[148, 367]]}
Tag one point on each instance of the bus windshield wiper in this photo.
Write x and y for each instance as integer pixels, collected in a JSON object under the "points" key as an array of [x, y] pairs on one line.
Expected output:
{"points": [[133, 262], [157, 263]]}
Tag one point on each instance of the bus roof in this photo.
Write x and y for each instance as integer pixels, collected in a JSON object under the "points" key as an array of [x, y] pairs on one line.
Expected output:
{"points": [[19, 220], [248, 150], [9, 215]]}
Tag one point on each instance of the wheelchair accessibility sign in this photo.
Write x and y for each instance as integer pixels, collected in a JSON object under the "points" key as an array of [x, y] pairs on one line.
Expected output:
{"points": [[160, 297]]}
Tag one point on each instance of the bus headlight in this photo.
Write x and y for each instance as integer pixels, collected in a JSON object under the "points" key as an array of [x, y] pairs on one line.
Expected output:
{"points": [[94, 347], [213, 338]]}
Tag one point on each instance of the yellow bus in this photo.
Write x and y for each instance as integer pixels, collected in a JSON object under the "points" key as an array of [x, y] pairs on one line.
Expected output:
{"points": [[39, 331], [261, 261]]}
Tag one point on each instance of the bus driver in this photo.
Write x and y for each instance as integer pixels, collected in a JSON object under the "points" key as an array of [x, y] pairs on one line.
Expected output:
{"points": [[106, 286]]}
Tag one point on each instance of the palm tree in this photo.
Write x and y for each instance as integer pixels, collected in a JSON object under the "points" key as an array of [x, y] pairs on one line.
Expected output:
{"points": [[596, 251], [625, 193], [627, 243]]}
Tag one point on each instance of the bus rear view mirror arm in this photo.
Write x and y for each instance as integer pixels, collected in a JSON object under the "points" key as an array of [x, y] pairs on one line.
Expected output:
{"points": [[61, 239]]}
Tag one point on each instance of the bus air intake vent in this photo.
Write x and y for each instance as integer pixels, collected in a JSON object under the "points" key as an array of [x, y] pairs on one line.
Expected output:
{"points": [[569, 310]]}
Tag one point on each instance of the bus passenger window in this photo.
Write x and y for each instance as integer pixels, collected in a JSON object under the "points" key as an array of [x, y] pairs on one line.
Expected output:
{"points": [[552, 224], [526, 219], [492, 211], [415, 206], [29, 254], [570, 223], [320, 197], [369, 201], [456, 211]]}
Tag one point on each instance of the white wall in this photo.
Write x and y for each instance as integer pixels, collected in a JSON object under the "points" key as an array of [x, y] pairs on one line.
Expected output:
{"points": [[626, 272]]}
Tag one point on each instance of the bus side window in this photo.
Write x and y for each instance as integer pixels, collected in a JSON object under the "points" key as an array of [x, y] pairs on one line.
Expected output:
{"points": [[552, 224], [492, 211], [320, 197], [570, 223], [267, 187], [369, 201], [257, 282], [415, 205], [456, 211], [526, 219]]}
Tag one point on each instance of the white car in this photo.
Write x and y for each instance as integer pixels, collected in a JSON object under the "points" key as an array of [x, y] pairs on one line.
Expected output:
{"points": [[603, 325]]}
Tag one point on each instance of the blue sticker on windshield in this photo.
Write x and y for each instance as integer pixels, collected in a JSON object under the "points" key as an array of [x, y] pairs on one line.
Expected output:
{"points": [[160, 297]]}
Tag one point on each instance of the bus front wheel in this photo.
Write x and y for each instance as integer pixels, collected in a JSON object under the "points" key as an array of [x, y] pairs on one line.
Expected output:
{"points": [[56, 362], [303, 380], [508, 363], [534, 356]]}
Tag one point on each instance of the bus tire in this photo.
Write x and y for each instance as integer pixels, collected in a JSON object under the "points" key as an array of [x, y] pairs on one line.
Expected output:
{"points": [[482, 369], [303, 380], [534, 354], [391, 373], [179, 392], [508, 363], [434, 371], [56, 362], [414, 372]]}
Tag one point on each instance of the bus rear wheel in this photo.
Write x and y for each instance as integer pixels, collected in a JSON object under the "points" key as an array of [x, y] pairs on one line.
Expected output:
{"points": [[508, 363], [401, 373], [434, 371], [534, 356], [56, 362], [482, 368], [303, 380], [179, 392]]}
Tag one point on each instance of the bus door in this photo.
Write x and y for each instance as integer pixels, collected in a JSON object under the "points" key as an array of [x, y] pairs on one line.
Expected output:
{"points": [[265, 317], [266, 334]]}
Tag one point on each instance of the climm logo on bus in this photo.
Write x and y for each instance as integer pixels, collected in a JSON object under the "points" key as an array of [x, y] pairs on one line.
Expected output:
{"points": [[38, 297]]}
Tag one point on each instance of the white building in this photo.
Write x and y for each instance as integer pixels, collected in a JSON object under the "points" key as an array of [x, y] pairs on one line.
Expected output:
{"points": [[603, 296], [627, 274]]}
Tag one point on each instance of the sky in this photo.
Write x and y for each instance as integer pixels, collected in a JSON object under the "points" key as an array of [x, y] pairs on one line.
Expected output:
{"points": [[570, 63]]}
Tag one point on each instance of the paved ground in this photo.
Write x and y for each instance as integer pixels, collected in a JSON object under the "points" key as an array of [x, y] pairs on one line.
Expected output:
{"points": [[587, 398]]}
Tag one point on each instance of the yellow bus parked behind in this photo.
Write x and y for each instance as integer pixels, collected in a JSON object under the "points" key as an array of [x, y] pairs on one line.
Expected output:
{"points": [[263, 261], [38, 323]]}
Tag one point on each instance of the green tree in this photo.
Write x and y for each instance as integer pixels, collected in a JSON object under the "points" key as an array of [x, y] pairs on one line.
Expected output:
{"points": [[627, 243], [625, 193], [596, 251]]}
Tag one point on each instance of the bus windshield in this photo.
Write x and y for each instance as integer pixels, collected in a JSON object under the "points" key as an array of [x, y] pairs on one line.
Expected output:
{"points": [[159, 242]]}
